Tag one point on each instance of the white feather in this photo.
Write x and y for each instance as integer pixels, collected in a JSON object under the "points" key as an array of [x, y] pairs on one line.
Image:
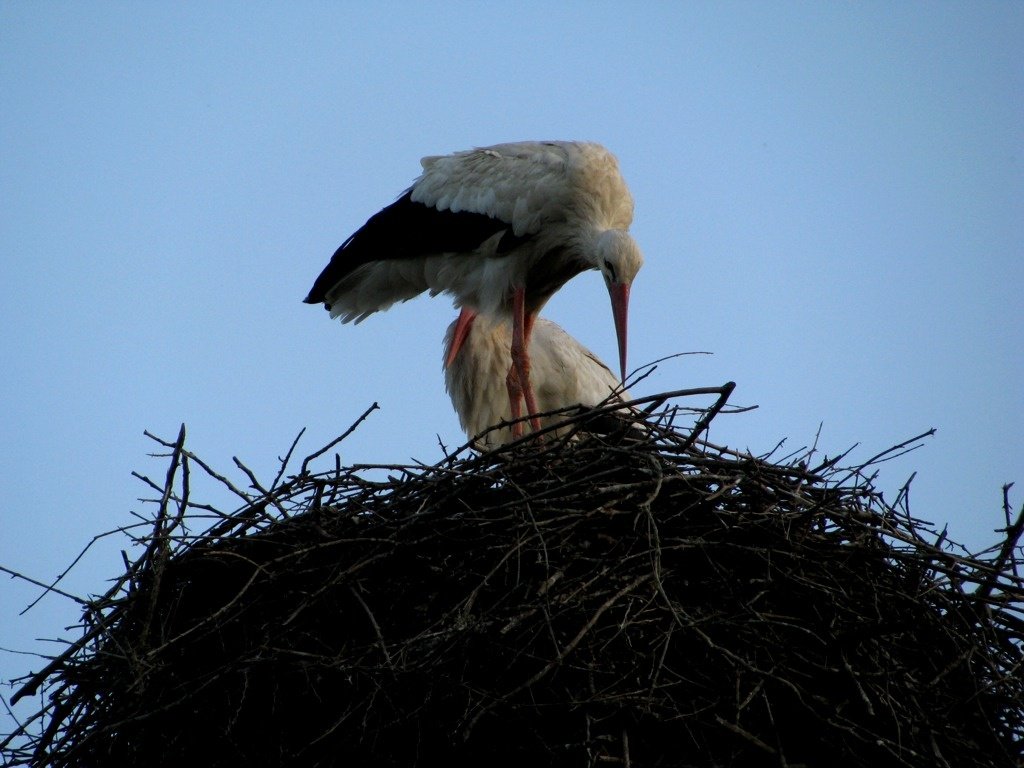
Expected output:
{"points": [[564, 373]]}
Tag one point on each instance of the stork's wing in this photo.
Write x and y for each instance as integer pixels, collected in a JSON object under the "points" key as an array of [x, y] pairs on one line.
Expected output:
{"points": [[524, 184], [565, 363], [461, 200], [405, 230], [605, 371]]}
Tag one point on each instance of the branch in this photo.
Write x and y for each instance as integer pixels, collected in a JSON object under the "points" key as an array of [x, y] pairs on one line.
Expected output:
{"points": [[337, 440]]}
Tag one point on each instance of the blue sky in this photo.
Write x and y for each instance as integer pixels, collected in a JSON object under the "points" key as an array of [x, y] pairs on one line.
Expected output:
{"points": [[830, 198]]}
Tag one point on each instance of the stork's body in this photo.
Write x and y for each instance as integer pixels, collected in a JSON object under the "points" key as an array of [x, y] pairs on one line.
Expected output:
{"points": [[500, 229], [565, 373]]}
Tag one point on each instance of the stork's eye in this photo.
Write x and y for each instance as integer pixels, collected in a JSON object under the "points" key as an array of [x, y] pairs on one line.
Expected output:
{"points": [[610, 270]]}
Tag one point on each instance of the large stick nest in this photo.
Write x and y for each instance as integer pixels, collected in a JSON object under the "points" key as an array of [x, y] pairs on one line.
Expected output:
{"points": [[646, 599]]}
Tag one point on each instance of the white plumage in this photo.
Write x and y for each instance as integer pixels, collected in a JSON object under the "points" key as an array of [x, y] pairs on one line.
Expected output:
{"points": [[565, 373], [498, 228], [530, 184]]}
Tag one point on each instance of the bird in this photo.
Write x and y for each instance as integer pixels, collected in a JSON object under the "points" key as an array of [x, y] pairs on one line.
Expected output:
{"points": [[500, 229], [565, 373]]}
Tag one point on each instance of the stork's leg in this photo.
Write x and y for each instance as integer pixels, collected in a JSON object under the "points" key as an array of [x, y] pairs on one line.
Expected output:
{"points": [[518, 380], [528, 394], [515, 398], [460, 334]]}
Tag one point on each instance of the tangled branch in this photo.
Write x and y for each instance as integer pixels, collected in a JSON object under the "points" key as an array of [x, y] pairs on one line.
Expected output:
{"points": [[634, 596]]}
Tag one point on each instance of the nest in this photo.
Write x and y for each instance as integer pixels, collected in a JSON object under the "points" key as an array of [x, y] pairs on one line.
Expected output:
{"points": [[640, 598]]}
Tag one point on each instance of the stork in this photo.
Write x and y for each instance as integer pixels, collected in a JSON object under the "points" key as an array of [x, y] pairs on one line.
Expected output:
{"points": [[565, 373], [500, 229]]}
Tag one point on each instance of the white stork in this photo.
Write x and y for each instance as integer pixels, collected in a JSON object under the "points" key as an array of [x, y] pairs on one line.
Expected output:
{"points": [[565, 373], [500, 229]]}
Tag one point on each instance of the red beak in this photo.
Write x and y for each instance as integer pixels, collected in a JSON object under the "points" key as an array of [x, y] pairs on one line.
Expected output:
{"points": [[619, 293], [461, 333]]}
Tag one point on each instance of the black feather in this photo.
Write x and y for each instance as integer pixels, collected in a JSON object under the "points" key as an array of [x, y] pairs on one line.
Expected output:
{"points": [[407, 230]]}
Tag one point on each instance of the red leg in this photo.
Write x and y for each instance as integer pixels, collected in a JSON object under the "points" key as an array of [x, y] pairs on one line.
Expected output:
{"points": [[515, 394], [460, 334], [522, 326], [528, 394]]}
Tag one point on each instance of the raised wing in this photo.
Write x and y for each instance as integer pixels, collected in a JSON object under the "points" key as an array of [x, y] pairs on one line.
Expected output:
{"points": [[525, 184], [404, 230]]}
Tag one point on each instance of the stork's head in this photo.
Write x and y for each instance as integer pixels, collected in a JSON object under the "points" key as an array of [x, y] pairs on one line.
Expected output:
{"points": [[619, 259]]}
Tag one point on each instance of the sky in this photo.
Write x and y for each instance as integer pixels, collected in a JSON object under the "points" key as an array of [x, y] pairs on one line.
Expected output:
{"points": [[829, 197]]}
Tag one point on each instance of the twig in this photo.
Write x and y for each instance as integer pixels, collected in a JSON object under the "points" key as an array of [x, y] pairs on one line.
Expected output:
{"points": [[287, 458], [44, 585], [337, 440], [705, 421], [1005, 556]]}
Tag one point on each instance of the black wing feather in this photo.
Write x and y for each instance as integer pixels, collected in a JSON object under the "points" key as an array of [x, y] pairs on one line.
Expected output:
{"points": [[405, 230]]}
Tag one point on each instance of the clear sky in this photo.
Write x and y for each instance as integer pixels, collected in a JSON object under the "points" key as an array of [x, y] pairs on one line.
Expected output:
{"points": [[829, 196]]}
